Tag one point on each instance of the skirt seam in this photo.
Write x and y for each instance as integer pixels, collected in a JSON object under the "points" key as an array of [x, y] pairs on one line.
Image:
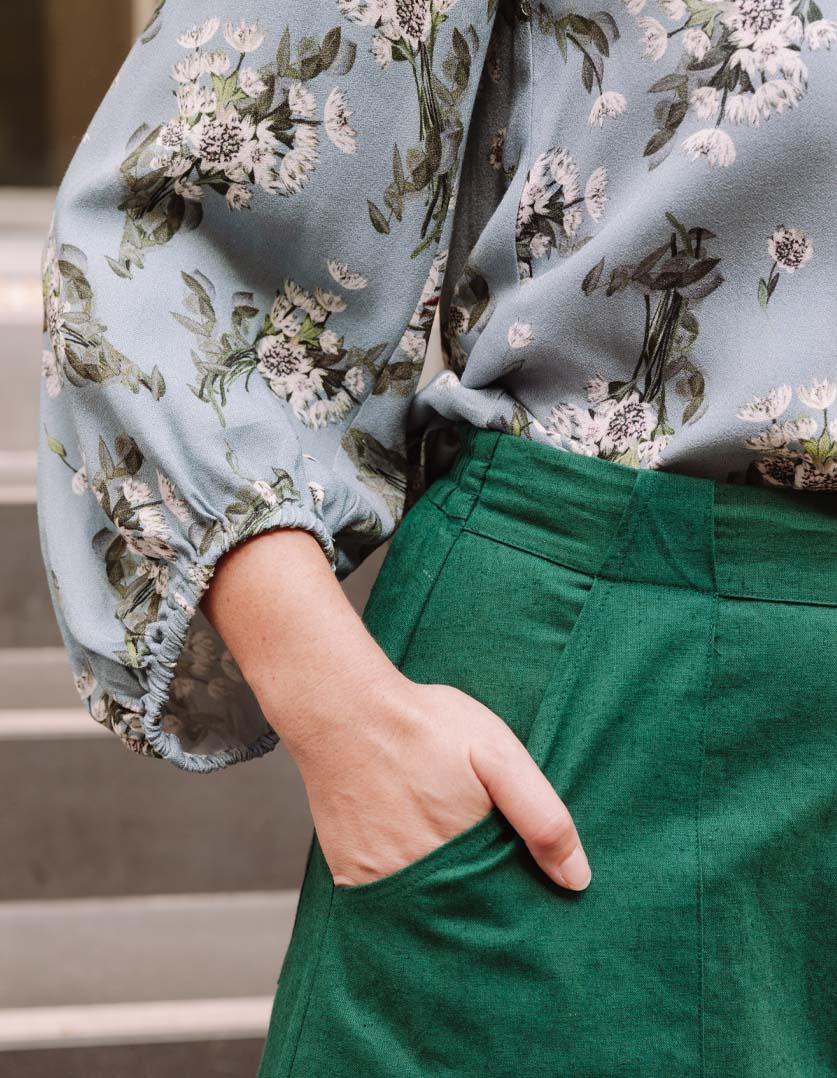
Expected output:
{"points": [[708, 670]]}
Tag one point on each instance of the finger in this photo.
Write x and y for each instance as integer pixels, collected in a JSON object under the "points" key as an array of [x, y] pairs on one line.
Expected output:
{"points": [[527, 799]]}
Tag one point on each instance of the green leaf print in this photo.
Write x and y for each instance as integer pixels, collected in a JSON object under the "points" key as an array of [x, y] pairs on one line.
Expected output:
{"points": [[629, 420], [414, 37]]}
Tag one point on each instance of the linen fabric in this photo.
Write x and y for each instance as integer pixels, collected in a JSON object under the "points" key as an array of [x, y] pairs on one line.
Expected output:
{"points": [[623, 214], [678, 692]]}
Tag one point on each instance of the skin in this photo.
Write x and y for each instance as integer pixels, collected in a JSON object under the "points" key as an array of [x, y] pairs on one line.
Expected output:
{"points": [[362, 734]]}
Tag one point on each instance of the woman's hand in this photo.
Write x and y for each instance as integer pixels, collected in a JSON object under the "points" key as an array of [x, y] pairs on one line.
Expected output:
{"points": [[423, 764], [392, 768]]}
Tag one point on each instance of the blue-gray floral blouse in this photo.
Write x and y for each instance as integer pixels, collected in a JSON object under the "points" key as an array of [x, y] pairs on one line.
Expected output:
{"points": [[624, 211]]}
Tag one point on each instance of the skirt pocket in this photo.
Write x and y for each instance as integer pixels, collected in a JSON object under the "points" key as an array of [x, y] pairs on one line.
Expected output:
{"points": [[492, 837]]}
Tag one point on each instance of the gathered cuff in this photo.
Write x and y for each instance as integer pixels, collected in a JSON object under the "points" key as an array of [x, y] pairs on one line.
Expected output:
{"points": [[162, 732]]}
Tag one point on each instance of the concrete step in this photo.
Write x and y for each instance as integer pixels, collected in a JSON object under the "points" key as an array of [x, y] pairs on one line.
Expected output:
{"points": [[83, 952], [158, 1022], [92, 819], [194, 1059], [26, 614], [36, 678]]}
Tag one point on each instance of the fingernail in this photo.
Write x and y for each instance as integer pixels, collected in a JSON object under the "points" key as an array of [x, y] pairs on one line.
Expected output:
{"points": [[575, 872]]}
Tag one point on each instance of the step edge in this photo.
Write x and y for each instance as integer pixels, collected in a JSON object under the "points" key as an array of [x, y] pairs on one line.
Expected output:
{"points": [[160, 1022]]}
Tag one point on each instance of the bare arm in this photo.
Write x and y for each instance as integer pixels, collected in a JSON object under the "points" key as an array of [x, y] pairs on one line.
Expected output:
{"points": [[362, 733]]}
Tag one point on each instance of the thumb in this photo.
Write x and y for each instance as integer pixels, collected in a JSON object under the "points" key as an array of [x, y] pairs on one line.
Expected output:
{"points": [[527, 799]]}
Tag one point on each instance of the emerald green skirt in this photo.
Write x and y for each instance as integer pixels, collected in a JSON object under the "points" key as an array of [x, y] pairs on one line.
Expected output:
{"points": [[666, 648]]}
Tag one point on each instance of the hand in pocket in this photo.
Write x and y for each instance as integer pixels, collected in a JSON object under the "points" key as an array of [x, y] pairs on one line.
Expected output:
{"points": [[429, 763]]}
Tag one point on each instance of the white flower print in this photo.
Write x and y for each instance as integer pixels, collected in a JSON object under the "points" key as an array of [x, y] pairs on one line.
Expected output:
{"points": [[696, 43], [80, 350], [79, 483], [742, 63], [251, 82], [819, 395], [191, 191], [821, 34], [300, 161], [407, 19], [215, 63], [265, 491], [171, 499], [800, 452], [766, 408], [301, 100], [238, 196], [243, 37], [344, 276], [239, 128], [712, 144], [53, 375], [674, 9], [705, 100], [655, 37], [85, 684], [594, 194], [199, 35], [446, 381], [298, 354], [520, 334], [337, 126], [790, 249], [607, 106], [354, 381], [549, 213], [381, 49]]}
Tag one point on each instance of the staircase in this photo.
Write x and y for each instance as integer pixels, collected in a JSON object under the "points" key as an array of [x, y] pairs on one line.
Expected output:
{"points": [[144, 912]]}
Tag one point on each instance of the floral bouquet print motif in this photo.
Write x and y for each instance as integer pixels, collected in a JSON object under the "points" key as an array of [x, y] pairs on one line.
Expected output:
{"points": [[790, 249], [238, 129], [407, 34], [629, 421], [295, 351], [741, 63], [800, 451], [80, 348], [551, 209], [147, 520]]}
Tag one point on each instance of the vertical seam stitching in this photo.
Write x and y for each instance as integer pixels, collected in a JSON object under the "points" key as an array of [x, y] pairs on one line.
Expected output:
{"points": [[531, 90], [708, 677], [489, 462], [700, 912]]}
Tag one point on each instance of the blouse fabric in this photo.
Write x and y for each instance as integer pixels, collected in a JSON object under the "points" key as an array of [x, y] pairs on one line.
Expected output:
{"points": [[623, 211]]}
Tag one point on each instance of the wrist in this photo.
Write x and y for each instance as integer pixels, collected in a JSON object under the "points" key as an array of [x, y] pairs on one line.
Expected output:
{"points": [[317, 710]]}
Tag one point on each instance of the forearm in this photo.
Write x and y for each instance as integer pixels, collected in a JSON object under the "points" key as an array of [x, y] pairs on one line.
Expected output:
{"points": [[299, 643]]}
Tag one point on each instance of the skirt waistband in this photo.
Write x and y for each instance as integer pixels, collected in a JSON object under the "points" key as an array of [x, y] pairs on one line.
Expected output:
{"points": [[645, 525]]}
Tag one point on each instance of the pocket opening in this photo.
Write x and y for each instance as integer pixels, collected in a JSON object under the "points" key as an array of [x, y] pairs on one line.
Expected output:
{"points": [[545, 725]]}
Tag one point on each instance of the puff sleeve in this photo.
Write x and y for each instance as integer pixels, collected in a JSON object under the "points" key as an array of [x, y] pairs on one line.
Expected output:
{"points": [[240, 278]]}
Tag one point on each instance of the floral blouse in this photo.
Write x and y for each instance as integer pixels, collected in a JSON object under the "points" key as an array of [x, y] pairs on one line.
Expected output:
{"points": [[624, 211]]}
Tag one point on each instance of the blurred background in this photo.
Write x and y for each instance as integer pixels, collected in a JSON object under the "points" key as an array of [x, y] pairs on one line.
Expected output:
{"points": [[126, 949]]}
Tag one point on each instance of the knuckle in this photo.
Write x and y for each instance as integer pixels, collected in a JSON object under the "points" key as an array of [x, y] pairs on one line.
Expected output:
{"points": [[552, 834]]}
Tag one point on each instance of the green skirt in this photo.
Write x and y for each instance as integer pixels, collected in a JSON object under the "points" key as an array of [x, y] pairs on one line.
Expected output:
{"points": [[666, 648]]}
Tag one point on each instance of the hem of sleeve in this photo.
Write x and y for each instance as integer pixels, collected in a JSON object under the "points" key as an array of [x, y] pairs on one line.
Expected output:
{"points": [[167, 637]]}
